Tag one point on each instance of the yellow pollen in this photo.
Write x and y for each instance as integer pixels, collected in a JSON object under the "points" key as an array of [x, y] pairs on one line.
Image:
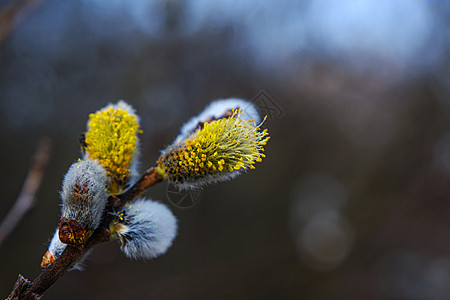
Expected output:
{"points": [[112, 139], [215, 149]]}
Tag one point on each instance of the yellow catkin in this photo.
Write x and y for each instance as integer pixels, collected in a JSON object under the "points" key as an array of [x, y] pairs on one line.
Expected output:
{"points": [[222, 146], [112, 139]]}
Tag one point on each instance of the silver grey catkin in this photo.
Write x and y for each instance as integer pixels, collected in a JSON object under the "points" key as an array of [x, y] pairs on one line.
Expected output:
{"points": [[83, 193], [145, 228]]}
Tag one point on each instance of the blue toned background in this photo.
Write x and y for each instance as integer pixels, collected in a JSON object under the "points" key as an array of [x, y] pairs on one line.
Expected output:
{"points": [[352, 200]]}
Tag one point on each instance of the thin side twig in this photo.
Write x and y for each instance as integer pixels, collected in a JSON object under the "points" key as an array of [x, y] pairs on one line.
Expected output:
{"points": [[71, 254], [26, 199], [11, 14]]}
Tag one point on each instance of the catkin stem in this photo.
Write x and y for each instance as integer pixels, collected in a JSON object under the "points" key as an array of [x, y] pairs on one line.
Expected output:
{"points": [[150, 178], [26, 199]]}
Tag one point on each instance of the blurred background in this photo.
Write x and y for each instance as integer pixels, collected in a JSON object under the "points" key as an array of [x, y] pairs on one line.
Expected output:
{"points": [[353, 198]]}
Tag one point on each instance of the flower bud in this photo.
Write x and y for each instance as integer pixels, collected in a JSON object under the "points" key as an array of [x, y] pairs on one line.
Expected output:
{"points": [[83, 201], [145, 228], [111, 138], [219, 151]]}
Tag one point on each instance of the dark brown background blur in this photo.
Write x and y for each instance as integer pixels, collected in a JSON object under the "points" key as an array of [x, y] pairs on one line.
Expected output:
{"points": [[353, 199]]}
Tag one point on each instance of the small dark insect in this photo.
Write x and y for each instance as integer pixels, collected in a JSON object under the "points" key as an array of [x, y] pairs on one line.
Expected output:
{"points": [[83, 143]]}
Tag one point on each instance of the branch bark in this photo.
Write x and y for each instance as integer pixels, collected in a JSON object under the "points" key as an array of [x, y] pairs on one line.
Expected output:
{"points": [[26, 199]]}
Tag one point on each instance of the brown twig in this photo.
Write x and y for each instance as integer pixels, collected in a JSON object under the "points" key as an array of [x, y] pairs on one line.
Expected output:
{"points": [[20, 287], [12, 13], [71, 254], [150, 178], [26, 199]]}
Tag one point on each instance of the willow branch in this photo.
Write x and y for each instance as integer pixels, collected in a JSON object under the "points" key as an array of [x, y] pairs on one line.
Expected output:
{"points": [[25, 201], [72, 254], [12, 13], [150, 178]]}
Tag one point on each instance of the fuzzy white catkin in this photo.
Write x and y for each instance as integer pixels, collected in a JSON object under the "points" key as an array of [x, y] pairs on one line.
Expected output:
{"points": [[149, 229], [83, 193], [217, 109], [56, 247]]}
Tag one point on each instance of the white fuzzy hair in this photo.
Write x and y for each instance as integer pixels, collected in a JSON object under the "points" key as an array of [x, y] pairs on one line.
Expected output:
{"points": [[217, 109], [149, 229], [88, 208], [56, 247], [200, 183]]}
